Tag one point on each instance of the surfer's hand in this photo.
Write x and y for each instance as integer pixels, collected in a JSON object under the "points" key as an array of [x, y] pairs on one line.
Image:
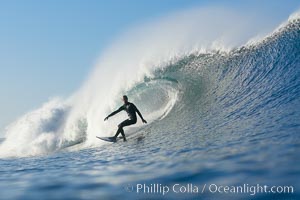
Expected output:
{"points": [[144, 121], [106, 118]]}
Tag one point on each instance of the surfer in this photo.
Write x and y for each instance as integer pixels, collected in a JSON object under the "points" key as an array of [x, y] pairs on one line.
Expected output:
{"points": [[131, 110]]}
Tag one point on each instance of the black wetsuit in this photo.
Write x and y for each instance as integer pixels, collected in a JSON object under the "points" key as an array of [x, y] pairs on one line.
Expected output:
{"points": [[131, 110]]}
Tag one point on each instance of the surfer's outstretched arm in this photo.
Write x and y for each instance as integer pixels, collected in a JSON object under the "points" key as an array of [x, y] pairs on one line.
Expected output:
{"points": [[139, 113], [113, 113]]}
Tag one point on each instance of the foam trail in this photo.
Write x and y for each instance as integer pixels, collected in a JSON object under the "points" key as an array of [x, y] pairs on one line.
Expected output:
{"points": [[125, 63]]}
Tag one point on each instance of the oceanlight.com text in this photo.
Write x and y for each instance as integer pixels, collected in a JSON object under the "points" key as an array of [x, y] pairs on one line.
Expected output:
{"points": [[190, 188]]}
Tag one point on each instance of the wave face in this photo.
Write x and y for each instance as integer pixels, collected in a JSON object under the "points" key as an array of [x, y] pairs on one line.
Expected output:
{"points": [[248, 95]]}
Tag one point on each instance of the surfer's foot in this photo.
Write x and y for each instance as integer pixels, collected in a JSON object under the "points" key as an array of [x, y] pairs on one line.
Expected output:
{"points": [[114, 138], [124, 140]]}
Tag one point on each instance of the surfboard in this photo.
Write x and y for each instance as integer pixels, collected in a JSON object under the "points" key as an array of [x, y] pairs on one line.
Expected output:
{"points": [[107, 139]]}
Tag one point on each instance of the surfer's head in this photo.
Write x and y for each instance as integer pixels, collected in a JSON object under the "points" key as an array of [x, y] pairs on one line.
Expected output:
{"points": [[125, 99]]}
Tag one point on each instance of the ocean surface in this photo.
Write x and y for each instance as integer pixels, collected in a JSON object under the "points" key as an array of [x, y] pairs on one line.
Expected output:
{"points": [[229, 119]]}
